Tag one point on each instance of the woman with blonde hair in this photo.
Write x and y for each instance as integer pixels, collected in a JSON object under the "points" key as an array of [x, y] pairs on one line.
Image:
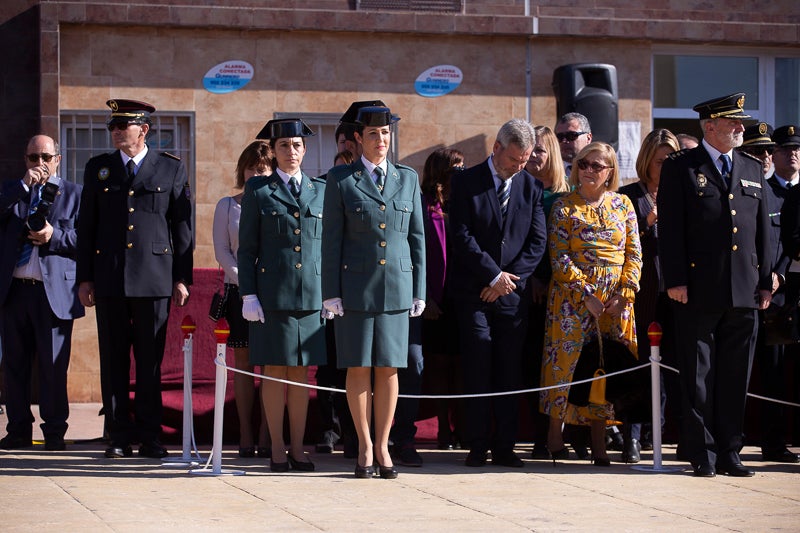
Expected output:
{"points": [[596, 260]]}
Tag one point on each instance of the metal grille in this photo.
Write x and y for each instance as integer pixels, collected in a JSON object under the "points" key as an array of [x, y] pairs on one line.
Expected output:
{"points": [[439, 6]]}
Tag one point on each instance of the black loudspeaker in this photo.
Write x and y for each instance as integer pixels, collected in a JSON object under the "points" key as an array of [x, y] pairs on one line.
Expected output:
{"points": [[591, 90]]}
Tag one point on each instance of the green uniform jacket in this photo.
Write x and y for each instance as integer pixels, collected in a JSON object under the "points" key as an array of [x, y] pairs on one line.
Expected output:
{"points": [[280, 243], [373, 244]]}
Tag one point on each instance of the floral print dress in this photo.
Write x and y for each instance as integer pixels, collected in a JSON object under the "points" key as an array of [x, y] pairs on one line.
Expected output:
{"points": [[593, 250]]}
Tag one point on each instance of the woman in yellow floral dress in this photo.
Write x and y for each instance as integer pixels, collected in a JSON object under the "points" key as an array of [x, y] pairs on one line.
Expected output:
{"points": [[596, 260]]}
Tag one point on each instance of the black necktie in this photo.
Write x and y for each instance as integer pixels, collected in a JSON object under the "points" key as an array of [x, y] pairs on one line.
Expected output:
{"points": [[131, 169], [381, 178], [294, 187]]}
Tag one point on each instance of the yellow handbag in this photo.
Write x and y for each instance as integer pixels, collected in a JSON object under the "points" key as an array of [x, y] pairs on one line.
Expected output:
{"points": [[597, 391]]}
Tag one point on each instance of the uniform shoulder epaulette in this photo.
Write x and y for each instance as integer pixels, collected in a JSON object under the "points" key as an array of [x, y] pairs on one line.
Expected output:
{"points": [[751, 156], [171, 156], [673, 155], [404, 167]]}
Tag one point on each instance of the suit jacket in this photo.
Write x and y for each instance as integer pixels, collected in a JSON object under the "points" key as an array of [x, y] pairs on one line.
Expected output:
{"points": [[56, 258], [135, 238], [373, 244], [714, 241], [483, 245], [280, 243]]}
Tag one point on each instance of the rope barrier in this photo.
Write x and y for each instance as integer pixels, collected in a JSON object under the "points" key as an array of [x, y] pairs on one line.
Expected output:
{"points": [[481, 395]]}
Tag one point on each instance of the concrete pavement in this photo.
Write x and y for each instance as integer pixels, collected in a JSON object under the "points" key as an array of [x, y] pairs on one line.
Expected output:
{"points": [[80, 490]]}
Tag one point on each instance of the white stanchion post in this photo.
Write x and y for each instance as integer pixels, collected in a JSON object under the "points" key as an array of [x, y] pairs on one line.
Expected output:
{"points": [[221, 332], [188, 328], [654, 334]]}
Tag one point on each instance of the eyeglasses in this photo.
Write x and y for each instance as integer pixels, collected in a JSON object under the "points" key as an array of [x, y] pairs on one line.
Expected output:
{"points": [[34, 158], [569, 135], [788, 149], [596, 167], [119, 125], [758, 150]]}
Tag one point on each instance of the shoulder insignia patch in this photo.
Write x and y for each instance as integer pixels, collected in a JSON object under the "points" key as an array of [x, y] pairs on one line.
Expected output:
{"points": [[673, 155], [750, 156], [171, 156]]}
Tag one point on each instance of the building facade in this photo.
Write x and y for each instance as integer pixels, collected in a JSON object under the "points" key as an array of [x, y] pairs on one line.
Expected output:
{"points": [[311, 58]]}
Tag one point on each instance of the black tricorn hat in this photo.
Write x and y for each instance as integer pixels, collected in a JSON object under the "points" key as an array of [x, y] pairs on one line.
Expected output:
{"points": [[759, 134], [283, 128], [129, 111], [787, 136], [731, 106], [375, 117], [351, 114]]}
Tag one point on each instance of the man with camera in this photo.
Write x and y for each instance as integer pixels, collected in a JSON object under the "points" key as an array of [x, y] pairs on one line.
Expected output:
{"points": [[38, 293]]}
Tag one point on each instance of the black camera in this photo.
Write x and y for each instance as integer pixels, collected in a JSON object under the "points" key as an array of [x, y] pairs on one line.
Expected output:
{"points": [[37, 220]]}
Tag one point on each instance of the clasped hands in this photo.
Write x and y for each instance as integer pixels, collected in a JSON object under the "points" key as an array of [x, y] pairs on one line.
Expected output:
{"points": [[613, 306], [503, 286]]}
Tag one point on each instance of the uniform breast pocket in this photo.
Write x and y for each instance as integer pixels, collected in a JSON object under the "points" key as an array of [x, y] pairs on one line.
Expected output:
{"points": [[402, 214], [154, 197], [707, 204], [751, 194], [274, 221], [314, 220], [359, 216]]}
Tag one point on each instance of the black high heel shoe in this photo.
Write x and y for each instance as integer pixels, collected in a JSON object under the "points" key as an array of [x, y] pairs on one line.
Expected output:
{"points": [[364, 472], [307, 466], [387, 472]]}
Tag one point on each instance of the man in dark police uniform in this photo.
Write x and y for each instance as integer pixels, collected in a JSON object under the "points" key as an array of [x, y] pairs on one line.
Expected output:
{"points": [[134, 253], [714, 250]]}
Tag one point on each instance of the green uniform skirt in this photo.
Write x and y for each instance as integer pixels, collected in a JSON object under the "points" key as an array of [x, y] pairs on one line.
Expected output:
{"points": [[288, 338], [372, 339]]}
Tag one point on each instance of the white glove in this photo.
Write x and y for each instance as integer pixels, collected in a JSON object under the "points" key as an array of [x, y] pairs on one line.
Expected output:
{"points": [[416, 308], [326, 315], [251, 308], [334, 305]]}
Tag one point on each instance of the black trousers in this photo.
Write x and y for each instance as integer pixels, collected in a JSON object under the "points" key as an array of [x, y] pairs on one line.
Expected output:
{"points": [[491, 348], [141, 324], [715, 351]]}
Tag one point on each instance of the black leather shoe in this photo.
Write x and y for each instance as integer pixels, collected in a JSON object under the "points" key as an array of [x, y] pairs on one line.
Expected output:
{"points": [[387, 472], [15, 442], [508, 458], [306, 466], [779, 456], [329, 440], [115, 452], [475, 458], [632, 452], [54, 444], [703, 470], [364, 472], [407, 456], [734, 469], [153, 450]]}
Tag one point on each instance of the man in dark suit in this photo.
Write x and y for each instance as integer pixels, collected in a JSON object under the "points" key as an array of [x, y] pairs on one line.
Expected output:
{"points": [[714, 249], [38, 294], [499, 237], [134, 252]]}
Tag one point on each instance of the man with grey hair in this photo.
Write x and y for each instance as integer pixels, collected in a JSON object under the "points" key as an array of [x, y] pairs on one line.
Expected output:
{"points": [[573, 132], [499, 237]]}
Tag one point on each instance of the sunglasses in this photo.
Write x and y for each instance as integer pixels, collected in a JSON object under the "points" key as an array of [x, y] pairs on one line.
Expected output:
{"points": [[596, 167], [34, 158], [758, 150], [569, 135], [119, 125]]}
